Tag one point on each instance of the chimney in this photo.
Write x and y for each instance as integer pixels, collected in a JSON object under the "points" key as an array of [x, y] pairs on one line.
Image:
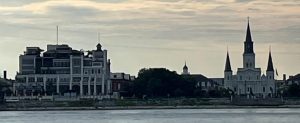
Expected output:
{"points": [[4, 74], [284, 77]]}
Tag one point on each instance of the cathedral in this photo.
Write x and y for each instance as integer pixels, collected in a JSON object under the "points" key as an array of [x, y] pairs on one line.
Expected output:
{"points": [[249, 81]]}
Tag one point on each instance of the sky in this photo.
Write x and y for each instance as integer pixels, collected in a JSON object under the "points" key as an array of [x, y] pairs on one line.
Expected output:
{"points": [[156, 33]]}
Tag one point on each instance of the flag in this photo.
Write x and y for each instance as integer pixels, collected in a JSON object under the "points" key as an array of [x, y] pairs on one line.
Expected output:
{"points": [[276, 72]]}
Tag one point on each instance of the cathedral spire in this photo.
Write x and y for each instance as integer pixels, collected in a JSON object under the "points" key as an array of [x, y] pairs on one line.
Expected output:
{"points": [[227, 64], [248, 44], [248, 35], [270, 62]]}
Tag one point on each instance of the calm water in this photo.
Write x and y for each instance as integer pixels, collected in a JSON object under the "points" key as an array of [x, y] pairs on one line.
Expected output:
{"points": [[155, 116]]}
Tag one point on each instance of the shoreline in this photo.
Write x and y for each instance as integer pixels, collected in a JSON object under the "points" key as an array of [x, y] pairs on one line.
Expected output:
{"points": [[144, 107]]}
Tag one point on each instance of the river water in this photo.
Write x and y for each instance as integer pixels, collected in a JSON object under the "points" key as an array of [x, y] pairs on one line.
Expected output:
{"points": [[268, 115]]}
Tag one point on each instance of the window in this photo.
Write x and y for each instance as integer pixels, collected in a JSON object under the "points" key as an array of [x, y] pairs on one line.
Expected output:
{"points": [[31, 79], [76, 62], [76, 70], [76, 79], [40, 79], [264, 89], [241, 77]]}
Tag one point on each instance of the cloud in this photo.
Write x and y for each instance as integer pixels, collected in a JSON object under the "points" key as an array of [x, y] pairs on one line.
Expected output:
{"points": [[191, 26]]}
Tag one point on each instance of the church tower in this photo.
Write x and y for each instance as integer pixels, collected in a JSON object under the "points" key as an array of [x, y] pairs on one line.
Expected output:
{"points": [[185, 70], [270, 68], [227, 73], [249, 55]]}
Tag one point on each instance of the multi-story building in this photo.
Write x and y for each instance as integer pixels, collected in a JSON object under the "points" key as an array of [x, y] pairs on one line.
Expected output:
{"points": [[249, 80], [61, 70], [121, 82]]}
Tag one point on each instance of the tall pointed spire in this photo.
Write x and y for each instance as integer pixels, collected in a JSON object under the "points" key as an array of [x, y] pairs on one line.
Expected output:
{"points": [[248, 44], [227, 64], [248, 35], [270, 62]]}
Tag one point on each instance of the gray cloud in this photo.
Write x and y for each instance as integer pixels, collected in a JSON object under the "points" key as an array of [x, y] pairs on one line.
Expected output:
{"points": [[188, 28]]}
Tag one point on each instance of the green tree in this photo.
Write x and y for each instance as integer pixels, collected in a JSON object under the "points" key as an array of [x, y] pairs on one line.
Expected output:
{"points": [[160, 82]]}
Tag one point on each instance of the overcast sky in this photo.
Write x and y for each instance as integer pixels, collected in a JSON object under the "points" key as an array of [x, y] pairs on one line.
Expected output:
{"points": [[156, 33]]}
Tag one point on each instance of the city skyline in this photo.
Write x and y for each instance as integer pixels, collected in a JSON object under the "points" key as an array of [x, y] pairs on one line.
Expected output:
{"points": [[148, 34]]}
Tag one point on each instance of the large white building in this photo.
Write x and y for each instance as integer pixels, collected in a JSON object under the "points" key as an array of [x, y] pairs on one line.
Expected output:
{"points": [[249, 80], [61, 70]]}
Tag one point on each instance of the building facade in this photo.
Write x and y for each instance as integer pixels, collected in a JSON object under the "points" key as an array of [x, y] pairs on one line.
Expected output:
{"points": [[61, 70], [249, 80], [202, 82], [120, 83]]}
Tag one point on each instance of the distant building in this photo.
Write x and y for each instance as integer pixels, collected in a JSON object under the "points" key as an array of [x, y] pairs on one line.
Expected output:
{"points": [[121, 82], [249, 80], [218, 81], [203, 82], [62, 69], [185, 70], [293, 80]]}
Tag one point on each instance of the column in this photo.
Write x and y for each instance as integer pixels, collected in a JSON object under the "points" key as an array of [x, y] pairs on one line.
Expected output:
{"points": [[44, 80], [25, 90], [81, 87], [71, 72], [103, 83], [89, 86], [95, 92], [81, 79], [14, 88], [57, 84], [70, 84], [35, 80]]}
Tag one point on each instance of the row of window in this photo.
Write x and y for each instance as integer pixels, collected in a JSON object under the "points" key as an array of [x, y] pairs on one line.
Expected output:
{"points": [[61, 64], [249, 78], [249, 89], [63, 79]]}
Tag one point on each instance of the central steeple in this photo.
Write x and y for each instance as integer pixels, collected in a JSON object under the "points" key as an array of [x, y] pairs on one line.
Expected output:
{"points": [[248, 44], [249, 55]]}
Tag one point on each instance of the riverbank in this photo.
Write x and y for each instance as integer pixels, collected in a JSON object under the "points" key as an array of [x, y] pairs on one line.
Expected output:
{"points": [[144, 107]]}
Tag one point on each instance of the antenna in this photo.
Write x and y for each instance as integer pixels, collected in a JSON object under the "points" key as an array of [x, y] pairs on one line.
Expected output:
{"points": [[98, 37], [57, 35]]}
